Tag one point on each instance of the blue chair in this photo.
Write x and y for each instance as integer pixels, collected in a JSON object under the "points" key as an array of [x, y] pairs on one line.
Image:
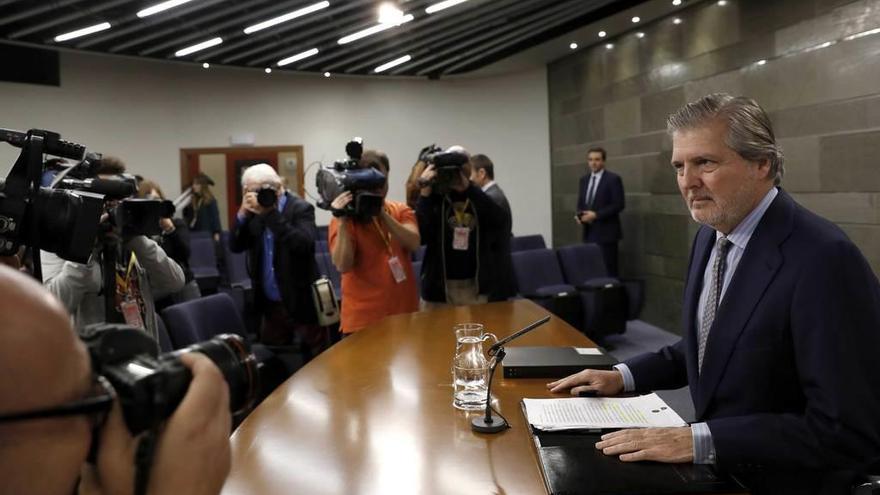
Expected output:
{"points": [[419, 254], [322, 232], [417, 273], [236, 266], [604, 299], [540, 279], [201, 319], [583, 266], [165, 344], [527, 242], [203, 263], [322, 246]]}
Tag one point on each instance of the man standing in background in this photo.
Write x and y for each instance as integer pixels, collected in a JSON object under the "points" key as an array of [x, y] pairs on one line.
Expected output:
{"points": [[483, 176], [600, 201]]}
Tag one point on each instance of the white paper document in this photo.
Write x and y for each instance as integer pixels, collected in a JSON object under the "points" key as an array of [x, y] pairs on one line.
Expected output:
{"points": [[644, 411]]}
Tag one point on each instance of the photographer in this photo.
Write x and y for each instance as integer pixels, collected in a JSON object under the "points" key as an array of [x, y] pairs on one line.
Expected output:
{"points": [[458, 223], [373, 255], [174, 240], [278, 231], [46, 366], [144, 273]]}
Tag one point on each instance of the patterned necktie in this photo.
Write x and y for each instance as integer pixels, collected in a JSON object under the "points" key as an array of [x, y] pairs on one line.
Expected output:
{"points": [[721, 248], [591, 191]]}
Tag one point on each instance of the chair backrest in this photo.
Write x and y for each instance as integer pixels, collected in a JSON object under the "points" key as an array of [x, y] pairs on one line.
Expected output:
{"points": [[419, 254], [581, 262], [165, 344], [322, 232], [201, 252], [236, 267], [321, 246], [417, 273], [199, 234], [328, 269], [526, 242], [536, 268], [200, 319]]}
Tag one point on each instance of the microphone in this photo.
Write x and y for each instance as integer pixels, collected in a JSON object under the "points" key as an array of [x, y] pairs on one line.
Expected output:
{"points": [[487, 423]]}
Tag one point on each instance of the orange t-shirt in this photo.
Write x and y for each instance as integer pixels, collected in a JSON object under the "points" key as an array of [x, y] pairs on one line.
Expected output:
{"points": [[369, 292]]}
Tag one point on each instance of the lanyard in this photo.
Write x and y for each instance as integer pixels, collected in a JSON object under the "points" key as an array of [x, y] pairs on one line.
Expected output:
{"points": [[386, 237], [459, 214]]}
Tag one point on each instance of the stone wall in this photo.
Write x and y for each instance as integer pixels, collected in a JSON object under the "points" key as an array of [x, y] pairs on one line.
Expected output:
{"points": [[824, 101]]}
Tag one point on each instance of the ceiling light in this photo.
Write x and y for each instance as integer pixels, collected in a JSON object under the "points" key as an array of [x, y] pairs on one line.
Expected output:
{"points": [[268, 70], [761, 62], [378, 28], [389, 14], [862, 34], [326, 74], [160, 7], [636, 19], [640, 35], [394, 63], [206, 65], [722, 3], [201, 46], [82, 32], [677, 20], [437, 7], [609, 46], [602, 34], [676, 2], [573, 46], [297, 57], [286, 17]]}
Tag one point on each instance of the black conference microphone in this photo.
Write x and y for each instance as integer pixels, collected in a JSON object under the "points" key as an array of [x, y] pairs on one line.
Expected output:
{"points": [[487, 423]]}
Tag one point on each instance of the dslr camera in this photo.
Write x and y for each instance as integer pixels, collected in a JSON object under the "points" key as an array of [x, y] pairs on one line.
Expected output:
{"points": [[448, 165], [150, 385], [347, 175]]}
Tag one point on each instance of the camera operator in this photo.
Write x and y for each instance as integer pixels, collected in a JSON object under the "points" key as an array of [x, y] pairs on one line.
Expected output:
{"points": [[458, 223], [278, 231], [373, 255], [45, 366], [144, 272], [174, 240]]}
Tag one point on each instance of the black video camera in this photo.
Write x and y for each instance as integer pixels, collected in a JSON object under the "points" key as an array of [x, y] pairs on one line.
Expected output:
{"points": [[150, 386], [346, 175], [448, 165]]}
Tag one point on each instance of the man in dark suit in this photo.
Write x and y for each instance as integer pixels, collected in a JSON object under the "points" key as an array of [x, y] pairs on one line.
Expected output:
{"points": [[278, 231], [600, 201], [781, 323], [483, 176]]}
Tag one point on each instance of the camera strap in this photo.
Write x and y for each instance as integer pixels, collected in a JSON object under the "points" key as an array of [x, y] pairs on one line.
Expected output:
{"points": [[397, 270], [143, 460]]}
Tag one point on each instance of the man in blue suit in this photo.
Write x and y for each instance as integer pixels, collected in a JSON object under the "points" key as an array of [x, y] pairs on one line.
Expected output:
{"points": [[781, 323], [600, 201]]}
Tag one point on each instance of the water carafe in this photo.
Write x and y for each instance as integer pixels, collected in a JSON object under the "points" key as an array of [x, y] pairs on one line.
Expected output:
{"points": [[470, 368]]}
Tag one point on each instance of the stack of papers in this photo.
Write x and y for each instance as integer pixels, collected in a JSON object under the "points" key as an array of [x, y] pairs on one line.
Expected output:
{"points": [[581, 413]]}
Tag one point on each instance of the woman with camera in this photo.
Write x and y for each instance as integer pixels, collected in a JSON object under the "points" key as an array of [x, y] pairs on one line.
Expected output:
{"points": [[373, 255]]}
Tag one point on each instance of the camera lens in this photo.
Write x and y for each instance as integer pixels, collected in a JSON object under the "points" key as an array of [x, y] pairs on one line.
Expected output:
{"points": [[239, 367], [266, 197]]}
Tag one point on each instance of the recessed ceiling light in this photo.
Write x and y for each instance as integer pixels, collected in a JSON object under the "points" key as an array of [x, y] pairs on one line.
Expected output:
{"points": [[722, 2], [82, 32], [677, 20], [862, 34], [206, 65], [761, 62], [609, 46], [394, 63], [297, 57], [573, 46], [378, 28], [389, 14], [636, 19], [326, 74], [640, 35], [602, 34], [286, 17], [161, 7], [268, 70], [676, 2], [201, 46], [437, 7]]}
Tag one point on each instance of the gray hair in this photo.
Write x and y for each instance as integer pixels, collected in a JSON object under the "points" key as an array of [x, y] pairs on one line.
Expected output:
{"points": [[749, 132], [262, 173]]}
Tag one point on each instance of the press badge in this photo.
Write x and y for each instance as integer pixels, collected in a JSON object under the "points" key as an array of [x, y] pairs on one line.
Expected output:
{"points": [[131, 311], [397, 270], [460, 238]]}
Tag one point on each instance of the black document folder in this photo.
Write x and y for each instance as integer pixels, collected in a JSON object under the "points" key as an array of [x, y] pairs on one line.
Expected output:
{"points": [[571, 465], [552, 362]]}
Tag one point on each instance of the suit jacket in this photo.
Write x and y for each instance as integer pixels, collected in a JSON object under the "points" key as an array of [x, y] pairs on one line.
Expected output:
{"points": [[608, 202], [294, 257], [502, 261], [789, 379]]}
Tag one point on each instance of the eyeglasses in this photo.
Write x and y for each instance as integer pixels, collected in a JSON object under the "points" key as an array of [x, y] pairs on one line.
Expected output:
{"points": [[97, 403]]}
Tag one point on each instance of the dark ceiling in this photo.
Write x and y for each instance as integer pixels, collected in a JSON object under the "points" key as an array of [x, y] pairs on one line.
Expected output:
{"points": [[456, 40]]}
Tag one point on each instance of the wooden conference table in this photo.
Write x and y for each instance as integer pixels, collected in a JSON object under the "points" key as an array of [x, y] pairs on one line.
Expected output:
{"points": [[374, 415]]}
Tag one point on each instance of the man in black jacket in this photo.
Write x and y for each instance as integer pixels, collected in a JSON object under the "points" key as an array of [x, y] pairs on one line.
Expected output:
{"points": [[600, 201], [278, 230], [458, 223], [483, 176]]}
